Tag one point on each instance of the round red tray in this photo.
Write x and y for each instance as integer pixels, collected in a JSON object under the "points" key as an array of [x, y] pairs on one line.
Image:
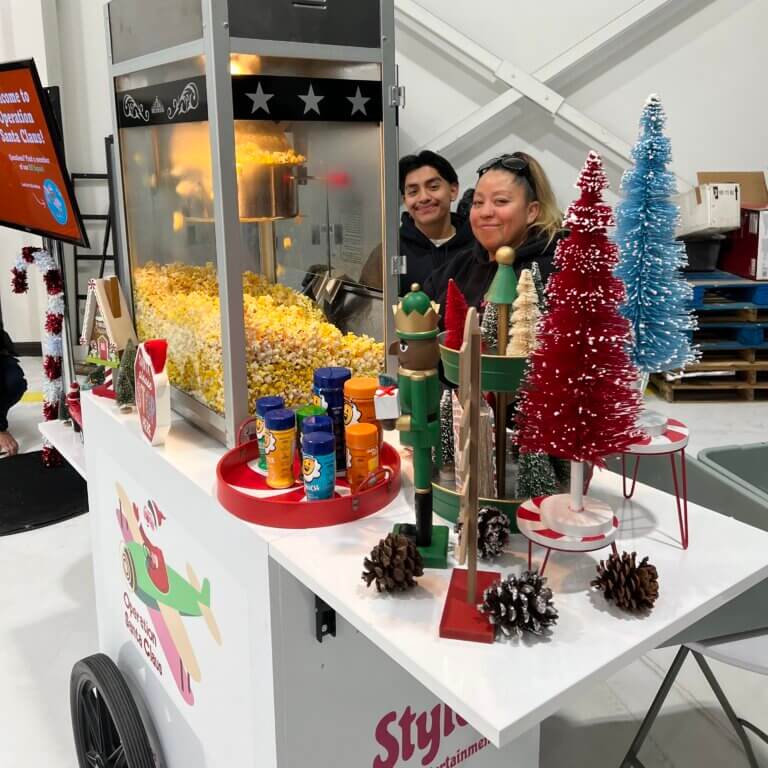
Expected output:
{"points": [[241, 488]]}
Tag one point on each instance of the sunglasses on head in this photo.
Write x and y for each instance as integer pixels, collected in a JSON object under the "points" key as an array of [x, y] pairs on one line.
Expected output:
{"points": [[513, 163]]}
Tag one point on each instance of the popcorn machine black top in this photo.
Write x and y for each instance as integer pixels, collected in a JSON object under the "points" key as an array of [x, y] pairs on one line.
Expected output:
{"points": [[258, 153]]}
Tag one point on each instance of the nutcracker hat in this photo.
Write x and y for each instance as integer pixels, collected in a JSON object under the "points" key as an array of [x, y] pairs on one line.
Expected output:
{"points": [[416, 316]]}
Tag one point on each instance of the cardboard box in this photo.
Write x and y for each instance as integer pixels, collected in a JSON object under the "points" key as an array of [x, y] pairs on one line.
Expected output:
{"points": [[709, 209], [745, 251]]}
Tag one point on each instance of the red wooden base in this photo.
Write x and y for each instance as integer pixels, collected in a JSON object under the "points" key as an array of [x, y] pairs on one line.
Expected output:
{"points": [[461, 620]]}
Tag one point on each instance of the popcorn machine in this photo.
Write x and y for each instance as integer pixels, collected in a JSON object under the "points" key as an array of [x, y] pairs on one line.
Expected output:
{"points": [[258, 152]]}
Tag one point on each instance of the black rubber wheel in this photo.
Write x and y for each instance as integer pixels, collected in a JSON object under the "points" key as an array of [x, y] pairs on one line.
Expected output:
{"points": [[107, 726]]}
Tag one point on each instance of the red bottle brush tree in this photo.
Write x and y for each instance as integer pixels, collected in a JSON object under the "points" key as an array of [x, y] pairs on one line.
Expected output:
{"points": [[455, 315], [579, 403]]}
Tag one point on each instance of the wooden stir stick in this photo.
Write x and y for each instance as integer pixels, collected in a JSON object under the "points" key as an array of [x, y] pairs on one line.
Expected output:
{"points": [[469, 396]]}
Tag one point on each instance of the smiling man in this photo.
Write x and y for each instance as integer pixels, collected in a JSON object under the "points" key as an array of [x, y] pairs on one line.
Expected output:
{"points": [[430, 235]]}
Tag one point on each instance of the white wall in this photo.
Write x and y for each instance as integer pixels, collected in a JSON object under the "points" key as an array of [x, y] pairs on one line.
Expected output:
{"points": [[706, 58], [87, 119]]}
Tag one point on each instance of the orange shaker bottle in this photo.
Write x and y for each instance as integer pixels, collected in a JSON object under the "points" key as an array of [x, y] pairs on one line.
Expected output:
{"points": [[358, 403], [362, 441]]}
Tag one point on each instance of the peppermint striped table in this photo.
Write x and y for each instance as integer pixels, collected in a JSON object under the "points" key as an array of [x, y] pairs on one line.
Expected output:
{"points": [[671, 442], [530, 525]]}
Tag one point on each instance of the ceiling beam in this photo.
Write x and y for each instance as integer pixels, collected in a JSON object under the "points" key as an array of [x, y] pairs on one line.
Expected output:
{"points": [[521, 83]]}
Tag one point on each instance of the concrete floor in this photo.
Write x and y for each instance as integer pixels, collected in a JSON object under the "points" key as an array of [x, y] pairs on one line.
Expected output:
{"points": [[48, 623]]}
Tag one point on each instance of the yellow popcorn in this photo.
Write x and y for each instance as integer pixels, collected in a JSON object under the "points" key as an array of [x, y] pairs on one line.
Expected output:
{"points": [[286, 335]]}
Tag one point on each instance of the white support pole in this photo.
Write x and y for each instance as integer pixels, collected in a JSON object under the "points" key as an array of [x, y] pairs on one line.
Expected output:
{"points": [[577, 486]]}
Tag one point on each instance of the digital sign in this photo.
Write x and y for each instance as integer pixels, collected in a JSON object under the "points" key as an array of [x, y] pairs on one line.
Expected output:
{"points": [[36, 193]]}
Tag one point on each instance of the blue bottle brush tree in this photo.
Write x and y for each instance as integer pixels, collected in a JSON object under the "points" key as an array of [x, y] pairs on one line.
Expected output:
{"points": [[658, 303]]}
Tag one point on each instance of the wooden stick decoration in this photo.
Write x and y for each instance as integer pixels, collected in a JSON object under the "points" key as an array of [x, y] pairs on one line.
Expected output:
{"points": [[503, 292], [469, 395]]}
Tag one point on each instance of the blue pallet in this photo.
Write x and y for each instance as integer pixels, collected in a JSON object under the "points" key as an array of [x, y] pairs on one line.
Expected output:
{"points": [[726, 306], [746, 333], [714, 346], [730, 287]]}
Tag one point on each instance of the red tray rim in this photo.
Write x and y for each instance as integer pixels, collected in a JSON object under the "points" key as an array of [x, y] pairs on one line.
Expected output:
{"points": [[276, 513]]}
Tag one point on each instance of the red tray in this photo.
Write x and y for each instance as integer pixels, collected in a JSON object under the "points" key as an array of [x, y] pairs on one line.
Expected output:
{"points": [[242, 489]]}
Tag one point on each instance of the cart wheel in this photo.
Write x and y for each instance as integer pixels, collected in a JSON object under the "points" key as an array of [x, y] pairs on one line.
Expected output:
{"points": [[107, 725], [129, 569]]}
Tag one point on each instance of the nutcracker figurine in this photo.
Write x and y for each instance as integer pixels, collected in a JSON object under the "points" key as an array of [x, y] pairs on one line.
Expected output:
{"points": [[418, 352]]}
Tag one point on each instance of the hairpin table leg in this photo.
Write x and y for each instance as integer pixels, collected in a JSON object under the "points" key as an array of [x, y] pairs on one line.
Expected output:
{"points": [[546, 560], [681, 499], [624, 475]]}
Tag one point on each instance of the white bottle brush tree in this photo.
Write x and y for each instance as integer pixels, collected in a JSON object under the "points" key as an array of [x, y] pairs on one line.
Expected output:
{"points": [[525, 316]]}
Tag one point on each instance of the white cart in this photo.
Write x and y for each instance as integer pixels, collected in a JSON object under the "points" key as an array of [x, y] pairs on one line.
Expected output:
{"points": [[236, 669]]}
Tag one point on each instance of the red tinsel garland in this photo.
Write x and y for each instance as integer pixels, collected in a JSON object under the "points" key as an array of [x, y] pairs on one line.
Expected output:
{"points": [[53, 282], [54, 319], [52, 367], [53, 323], [579, 402], [51, 457], [19, 281]]}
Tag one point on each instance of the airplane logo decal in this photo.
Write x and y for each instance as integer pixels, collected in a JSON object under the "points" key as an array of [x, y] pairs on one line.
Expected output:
{"points": [[166, 594]]}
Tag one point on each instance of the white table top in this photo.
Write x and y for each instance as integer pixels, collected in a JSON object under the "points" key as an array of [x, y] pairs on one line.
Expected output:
{"points": [[66, 441], [504, 689]]}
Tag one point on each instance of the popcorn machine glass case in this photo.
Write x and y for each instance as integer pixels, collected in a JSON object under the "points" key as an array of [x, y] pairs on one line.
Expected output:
{"points": [[259, 191]]}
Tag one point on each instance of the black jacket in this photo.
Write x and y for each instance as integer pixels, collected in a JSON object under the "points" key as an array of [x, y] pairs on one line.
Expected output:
{"points": [[6, 345], [474, 271], [423, 257]]}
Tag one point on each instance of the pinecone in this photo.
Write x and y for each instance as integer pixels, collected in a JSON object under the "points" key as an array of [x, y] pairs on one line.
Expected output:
{"points": [[392, 564], [632, 587], [492, 532], [520, 604]]}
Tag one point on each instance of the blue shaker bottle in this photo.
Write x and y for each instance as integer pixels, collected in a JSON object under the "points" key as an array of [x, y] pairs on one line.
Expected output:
{"points": [[263, 406], [328, 391], [320, 423], [318, 465]]}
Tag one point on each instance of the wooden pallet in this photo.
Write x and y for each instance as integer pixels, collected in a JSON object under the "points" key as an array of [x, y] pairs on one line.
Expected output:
{"points": [[747, 381], [723, 353]]}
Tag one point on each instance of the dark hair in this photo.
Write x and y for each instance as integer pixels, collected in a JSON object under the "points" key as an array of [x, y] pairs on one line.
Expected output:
{"points": [[410, 163], [465, 204]]}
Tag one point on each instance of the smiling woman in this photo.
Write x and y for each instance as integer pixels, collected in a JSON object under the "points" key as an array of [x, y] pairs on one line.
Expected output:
{"points": [[513, 205]]}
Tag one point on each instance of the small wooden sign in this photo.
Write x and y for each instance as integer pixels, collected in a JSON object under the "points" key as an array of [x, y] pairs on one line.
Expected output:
{"points": [[152, 391]]}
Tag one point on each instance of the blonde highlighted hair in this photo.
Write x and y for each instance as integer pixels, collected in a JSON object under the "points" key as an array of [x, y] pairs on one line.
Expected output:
{"points": [[550, 219]]}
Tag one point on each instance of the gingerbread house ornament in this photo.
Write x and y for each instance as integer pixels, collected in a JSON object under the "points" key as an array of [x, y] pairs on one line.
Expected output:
{"points": [[107, 326]]}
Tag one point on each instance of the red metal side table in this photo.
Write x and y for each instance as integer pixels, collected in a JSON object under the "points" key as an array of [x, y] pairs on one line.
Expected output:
{"points": [[671, 442]]}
